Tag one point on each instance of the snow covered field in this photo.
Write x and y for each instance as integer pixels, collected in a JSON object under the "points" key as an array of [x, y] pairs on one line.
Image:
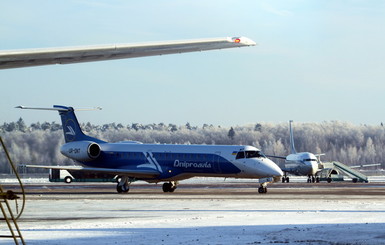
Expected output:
{"points": [[151, 217]]}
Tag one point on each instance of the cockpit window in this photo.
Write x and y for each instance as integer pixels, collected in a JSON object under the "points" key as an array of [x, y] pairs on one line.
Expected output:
{"points": [[240, 154], [311, 160], [254, 154]]}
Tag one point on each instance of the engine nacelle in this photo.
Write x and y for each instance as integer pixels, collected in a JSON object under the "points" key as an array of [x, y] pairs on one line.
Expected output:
{"points": [[82, 151]]}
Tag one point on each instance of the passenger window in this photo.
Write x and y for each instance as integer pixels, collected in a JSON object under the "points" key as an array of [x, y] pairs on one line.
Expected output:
{"points": [[240, 155]]}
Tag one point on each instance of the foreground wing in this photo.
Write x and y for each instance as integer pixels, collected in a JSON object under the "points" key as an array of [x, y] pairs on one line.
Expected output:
{"points": [[37, 57], [138, 173]]}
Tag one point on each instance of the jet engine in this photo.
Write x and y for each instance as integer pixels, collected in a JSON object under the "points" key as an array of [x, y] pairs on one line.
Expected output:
{"points": [[82, 151]]}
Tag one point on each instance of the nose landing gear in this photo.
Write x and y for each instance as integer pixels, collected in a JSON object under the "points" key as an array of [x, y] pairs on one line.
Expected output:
{"points": [[285, 178], [262, 190]]}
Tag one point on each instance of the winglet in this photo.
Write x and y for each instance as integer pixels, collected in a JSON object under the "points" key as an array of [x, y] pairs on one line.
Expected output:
{"points": [[243, 40]]}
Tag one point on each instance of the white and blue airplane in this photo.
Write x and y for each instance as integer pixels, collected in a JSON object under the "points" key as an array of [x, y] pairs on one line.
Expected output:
{"points": [[299, 163], [156, 163]]}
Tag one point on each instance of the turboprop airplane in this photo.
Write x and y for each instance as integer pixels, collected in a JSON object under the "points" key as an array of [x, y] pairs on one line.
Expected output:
{"points": [[66, 55], [299, 163], [159, 162]]}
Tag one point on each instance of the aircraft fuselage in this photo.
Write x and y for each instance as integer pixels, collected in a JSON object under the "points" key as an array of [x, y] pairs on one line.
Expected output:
{"points": [[177, 162], [304, 163]]}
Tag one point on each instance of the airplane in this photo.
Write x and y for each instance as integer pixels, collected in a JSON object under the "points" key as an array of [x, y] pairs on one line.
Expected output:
{"points": [[66, 55], [154, 163], [299, 163]]}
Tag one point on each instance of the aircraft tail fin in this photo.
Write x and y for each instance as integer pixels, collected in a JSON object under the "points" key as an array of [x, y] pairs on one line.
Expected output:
{"points": [[71, 128], [292, 147]]}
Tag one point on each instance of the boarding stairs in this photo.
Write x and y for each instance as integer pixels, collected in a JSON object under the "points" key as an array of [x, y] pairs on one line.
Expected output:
{"points": [[354, 174]]}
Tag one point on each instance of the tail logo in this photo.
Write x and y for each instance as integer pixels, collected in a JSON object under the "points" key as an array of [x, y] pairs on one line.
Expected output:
{"points": [[69, 130]]}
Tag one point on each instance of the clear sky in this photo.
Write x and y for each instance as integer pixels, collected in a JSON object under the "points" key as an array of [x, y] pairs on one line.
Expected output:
{"points": [[315, 61]]}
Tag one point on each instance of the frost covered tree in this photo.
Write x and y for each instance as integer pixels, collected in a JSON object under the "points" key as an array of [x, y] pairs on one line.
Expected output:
{"points": [[39, 143], [231, 133]]}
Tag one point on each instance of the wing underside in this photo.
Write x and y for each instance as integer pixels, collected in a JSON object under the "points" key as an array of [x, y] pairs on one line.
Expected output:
{"points": [[135, 173], [48, 56]]}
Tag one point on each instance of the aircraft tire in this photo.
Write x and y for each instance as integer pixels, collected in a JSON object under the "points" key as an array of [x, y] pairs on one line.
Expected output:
{"points": [[167, 187], [262, 190], [329, 180], [287, 179], [122, 189]]}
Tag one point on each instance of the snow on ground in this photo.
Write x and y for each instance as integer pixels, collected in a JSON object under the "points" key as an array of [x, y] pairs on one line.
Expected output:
{"points": [[211, 221], [172, 218], [184, 219]]}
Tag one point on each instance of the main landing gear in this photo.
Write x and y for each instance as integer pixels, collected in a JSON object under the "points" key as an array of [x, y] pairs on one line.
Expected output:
{"points": [[313, 179], [169, 186], [123, 185]]}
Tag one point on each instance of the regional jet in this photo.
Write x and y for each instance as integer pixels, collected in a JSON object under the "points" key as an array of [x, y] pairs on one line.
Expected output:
{"points": [[156, 163], [66, 55], [299, 163]]}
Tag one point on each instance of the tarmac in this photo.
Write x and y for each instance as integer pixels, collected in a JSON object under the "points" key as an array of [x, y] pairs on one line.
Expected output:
{"points": [[230, 212]]}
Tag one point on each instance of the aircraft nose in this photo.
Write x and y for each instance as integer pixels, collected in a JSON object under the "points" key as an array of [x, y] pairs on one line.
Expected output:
{"points": [[276, 171], [272, 169], [314, 168]]}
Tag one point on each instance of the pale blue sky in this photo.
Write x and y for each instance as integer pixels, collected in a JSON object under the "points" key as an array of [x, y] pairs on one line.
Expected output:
{"points": [[315, 61]]}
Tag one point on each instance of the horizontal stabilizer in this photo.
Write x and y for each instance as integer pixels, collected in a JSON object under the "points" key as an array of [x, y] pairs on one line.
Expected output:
{"points": [[56, 108]]}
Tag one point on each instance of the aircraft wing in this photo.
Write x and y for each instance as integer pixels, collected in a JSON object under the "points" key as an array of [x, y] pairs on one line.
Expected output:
{"points": [[275, 156], [365, 165], [66, 55], [138, 173]]}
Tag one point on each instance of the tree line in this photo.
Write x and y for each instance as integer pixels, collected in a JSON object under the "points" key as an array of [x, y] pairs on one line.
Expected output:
{"points": [[39, 143]]}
